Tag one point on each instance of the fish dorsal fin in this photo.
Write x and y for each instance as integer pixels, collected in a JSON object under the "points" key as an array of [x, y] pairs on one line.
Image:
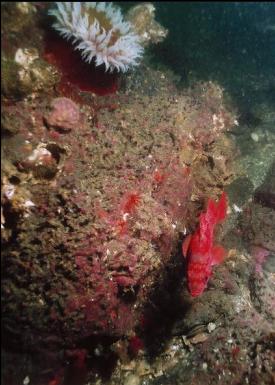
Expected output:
{"points": [[216, 212], [186, 244]]}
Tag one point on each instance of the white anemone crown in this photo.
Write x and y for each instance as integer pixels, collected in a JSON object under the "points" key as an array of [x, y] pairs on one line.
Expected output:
{"points": [[97, 29]]}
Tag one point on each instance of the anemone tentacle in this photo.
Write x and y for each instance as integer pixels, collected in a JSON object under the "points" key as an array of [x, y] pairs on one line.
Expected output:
{"points": [[97, 29]]}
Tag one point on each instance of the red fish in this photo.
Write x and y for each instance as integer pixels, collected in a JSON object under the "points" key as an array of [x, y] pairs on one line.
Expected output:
{"points": [[199, 248]]}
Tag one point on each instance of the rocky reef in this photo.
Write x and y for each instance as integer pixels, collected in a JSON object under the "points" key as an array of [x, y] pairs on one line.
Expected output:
{"points": [[98, 193]]}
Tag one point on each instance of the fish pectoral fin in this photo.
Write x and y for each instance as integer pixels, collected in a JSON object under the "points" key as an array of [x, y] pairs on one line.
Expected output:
{"points": [[218, 253]]}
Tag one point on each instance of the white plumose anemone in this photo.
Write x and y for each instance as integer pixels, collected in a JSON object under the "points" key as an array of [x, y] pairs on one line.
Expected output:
{"points": [[98, 30]]}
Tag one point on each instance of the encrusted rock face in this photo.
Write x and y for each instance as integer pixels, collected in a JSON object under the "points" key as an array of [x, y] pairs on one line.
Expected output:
{"points": [[98, 193], [34, 73], [26, 74], [23, 71], [111, 197], [142, 17]]}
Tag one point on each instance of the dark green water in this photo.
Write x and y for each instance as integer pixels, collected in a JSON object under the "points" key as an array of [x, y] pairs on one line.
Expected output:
{"points": [[232, 43]]}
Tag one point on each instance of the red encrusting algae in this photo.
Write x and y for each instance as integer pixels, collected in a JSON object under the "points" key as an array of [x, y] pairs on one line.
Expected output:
{"points": [[199, 248], [136, 344], [131, 200]]}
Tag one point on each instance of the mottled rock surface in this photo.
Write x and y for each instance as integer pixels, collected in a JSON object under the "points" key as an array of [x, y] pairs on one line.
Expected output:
{"points": [[98, 193]]}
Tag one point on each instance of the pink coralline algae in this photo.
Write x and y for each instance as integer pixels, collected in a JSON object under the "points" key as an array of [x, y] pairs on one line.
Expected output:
{"points": [[64, 114], [260, 255], [199, 248]]}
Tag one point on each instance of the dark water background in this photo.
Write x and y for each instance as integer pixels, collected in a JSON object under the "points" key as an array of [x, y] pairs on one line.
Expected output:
{"points": [[232, 43]]}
